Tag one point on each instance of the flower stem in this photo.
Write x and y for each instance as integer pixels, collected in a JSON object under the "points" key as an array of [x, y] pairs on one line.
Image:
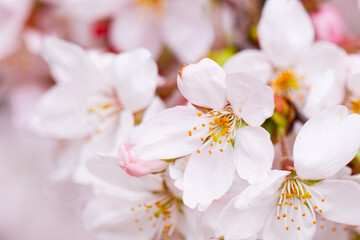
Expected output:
{"points": [[286, 162]]}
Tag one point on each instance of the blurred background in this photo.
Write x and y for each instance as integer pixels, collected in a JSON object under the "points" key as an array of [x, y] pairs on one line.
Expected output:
{"points": [[38, 198]]}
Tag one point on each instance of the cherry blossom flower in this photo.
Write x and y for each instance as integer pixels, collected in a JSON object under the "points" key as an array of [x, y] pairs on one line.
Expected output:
{"points": [[125, 207], [222, 135], [94, 92], [288, 204], [311, 74], [353, 83]]}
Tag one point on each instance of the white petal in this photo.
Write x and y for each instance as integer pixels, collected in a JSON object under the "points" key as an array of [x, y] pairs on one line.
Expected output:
{"points": [[167, 135], [62, 112], [111, 218], [69, 62], [207, 177], [329, 230], [254, 153], [252, 100], [187, 30], [133, 29], [203, 84], [136, 78], [275, 229], [234, 224], [340, 196], [326, 92], [256, 193], [251, 62], [321, 57], [285, 31], [108, 169], [326, 143]]}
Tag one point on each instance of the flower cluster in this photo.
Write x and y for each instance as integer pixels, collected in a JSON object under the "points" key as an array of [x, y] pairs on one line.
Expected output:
{"points": [[184, 124]]}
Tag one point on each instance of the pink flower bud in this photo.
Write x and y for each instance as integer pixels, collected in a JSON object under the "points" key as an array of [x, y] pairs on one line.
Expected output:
{"points": [[135, 166], [329, 23]]}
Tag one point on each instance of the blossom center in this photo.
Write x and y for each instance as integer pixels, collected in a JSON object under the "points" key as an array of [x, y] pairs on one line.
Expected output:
{"points": [[296, 198], [161, 214], [221, 126], [355, 106], [157, 5], [287, 80]]}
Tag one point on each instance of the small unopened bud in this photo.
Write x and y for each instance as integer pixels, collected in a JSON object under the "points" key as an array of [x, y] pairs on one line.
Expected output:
{"points": [[136, 167]]}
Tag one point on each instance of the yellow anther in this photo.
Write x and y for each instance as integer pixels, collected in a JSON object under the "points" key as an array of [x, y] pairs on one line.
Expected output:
{"points": [[136, 220], [133, 209], [284, 215], [194, 128], [210, 129], [296, 208], [280, 205], [290, 204], [217, 120], [286, 203], [140, 229], [285, 81], [355, 106], [288, 195], [333, 229], [298, 228], [292, 220], [287, 228], [304, 214], [203, 125], [202, 139], [315, 207], [314, 222], [198, 151], [283, 194], [320, 211], [199, 114], [210, 152], [278, 217], [225, 119], [322, 226], [211, 144], [105, 106], [211, 113], [221, 150], [219, 112], [154, 225], [323, 218], [323, 200], [190, 133], [212, 134], [345, 228], [220, 142], [211, 123]]}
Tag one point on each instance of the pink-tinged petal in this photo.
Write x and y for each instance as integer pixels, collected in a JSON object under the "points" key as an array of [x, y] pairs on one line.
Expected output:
{"points": [[251, 62], [107, 168], [329, 24], [252, 100], [187, 30], [256, 193], [339, 198], [329, 230], [91, 10], [326, 143], [136, 75], [68, 62], [285, 31], [13, 15], [236, 224], [207, 177], [167, 135], [156, 106], [133, 29], [203, 84], [136, 167], [253, 153], [275, 229]]}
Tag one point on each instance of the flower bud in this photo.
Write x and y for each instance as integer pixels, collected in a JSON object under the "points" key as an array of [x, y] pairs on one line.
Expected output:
{"points": [[135, 166], [329, 23]]}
